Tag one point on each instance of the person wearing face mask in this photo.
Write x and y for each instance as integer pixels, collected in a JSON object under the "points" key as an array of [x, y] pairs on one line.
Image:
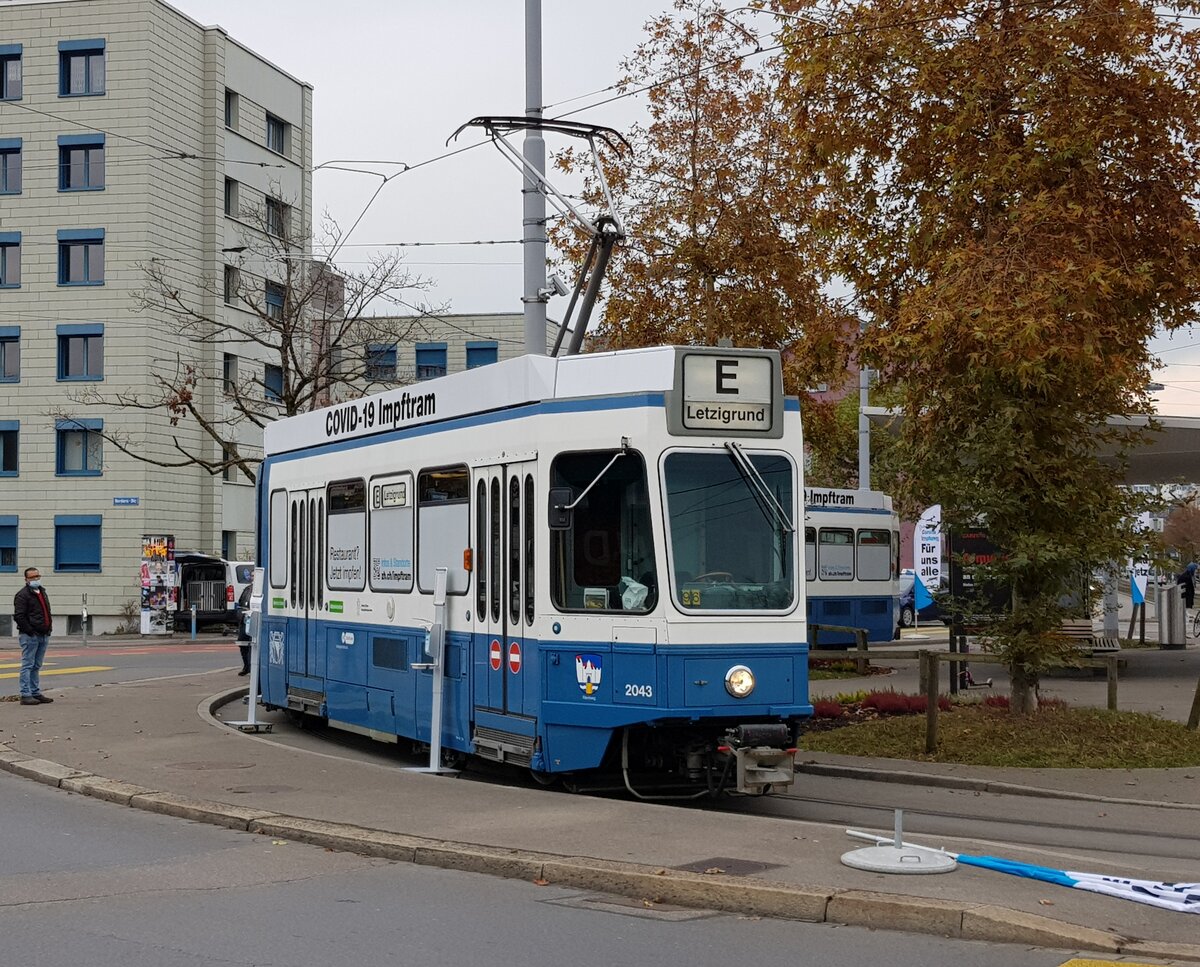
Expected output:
{"points": [[31, 610]]}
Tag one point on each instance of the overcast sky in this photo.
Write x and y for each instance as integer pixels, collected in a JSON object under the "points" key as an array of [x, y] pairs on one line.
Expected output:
{"points": [[393, 79]]}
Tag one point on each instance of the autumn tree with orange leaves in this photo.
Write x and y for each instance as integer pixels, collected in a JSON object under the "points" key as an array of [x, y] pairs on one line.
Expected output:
{"points": [[1009, 187], [717, 217]]}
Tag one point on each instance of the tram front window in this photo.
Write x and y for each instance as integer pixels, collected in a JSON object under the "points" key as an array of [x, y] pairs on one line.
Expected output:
{"points": [[731, 549], [605, 561]]}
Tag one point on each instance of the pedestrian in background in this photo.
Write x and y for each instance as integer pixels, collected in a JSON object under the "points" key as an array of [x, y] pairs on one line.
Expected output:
{"points": [[1187, 581], [31, 611]]}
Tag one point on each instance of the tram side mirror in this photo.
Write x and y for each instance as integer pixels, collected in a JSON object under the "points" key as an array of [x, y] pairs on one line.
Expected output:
{"points": [[559, 517]]}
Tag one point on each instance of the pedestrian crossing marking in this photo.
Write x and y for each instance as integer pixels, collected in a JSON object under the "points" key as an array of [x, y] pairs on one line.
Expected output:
{"points": [[81, 670], [1103, 963]]}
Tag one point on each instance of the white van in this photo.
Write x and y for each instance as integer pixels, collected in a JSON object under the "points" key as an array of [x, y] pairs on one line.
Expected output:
{"points": [[213, 585]]}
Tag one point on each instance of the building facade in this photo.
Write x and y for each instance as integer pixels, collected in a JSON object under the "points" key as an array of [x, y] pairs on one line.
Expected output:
{"points": [[135, 143], [434, 345]]}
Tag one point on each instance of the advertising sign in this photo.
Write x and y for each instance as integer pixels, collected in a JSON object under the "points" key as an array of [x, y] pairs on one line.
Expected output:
{"points": [[927, 560], [969, 548], [160, 588]]}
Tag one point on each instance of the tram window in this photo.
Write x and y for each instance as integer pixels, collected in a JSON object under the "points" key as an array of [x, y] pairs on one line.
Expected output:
{"points": [[346, 533], [810, 553], [895, 554], [443, 527], [295, 549], [301, 556], [529, 548], [514, 550], [481, 550], [835, 554], [874, 555], [605, 561], [494, 551], [279, 539], [391, 533], [731, 547], [312, 553], [320, 550]]}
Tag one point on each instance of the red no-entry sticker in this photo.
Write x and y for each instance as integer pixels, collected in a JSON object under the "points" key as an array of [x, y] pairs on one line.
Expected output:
{"points": [[514, 657], [495, 655]]}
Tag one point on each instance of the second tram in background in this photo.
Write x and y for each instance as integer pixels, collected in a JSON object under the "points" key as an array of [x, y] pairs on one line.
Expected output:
{"points": [[852, 563], [618, 535]]}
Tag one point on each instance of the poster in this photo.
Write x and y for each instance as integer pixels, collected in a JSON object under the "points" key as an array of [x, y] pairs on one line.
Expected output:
{"points": [[160, 590]]}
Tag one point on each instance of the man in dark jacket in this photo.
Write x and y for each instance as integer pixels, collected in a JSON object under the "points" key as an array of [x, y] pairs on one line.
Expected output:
{"points": [[31, 610]]}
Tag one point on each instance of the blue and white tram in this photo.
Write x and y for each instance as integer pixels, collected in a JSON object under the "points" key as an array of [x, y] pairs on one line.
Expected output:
{"points": [[620, 534], [852, 563]]}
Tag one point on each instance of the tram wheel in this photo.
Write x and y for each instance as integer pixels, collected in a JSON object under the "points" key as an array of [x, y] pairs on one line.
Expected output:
{"points": [[543, 778]]}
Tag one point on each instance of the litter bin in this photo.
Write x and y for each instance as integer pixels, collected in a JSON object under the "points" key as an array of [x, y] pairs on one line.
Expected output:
{"points": [[1172, 618]]}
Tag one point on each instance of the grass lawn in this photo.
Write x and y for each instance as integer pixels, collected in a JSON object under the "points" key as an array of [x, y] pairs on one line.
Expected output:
{"points": [[1060, 738]]}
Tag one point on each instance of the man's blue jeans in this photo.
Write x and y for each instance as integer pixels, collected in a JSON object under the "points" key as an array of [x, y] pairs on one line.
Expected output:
{"points": [[33, 652]]}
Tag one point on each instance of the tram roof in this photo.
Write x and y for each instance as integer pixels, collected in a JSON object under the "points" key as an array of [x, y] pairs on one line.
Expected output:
{"points": [[501, 385]]}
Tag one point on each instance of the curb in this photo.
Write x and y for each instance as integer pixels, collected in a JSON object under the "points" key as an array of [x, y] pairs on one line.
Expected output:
{"points": [[651, 884]]}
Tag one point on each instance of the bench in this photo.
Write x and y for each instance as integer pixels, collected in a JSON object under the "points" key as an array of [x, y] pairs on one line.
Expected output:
{"points": [[1080, 630]]}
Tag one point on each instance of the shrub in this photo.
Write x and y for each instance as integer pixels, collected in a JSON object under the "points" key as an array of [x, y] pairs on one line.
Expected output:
{"points": [[828, 709], [918, 704], [888, 703]]}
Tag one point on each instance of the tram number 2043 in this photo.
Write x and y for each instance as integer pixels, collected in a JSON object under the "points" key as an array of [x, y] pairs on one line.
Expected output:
{"points": [[639, 691]]}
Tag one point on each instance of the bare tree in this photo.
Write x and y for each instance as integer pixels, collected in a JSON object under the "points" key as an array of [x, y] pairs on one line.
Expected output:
{"points": [[296, 327]]}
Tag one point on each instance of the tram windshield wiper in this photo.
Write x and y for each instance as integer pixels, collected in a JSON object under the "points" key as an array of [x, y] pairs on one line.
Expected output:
{"points": [[766, 500]]}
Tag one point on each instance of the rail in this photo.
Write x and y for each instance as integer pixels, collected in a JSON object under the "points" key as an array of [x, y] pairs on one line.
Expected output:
{"points": [[861, 661]]}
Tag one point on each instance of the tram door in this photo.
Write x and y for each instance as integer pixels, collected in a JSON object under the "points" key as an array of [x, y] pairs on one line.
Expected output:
{"points": [[306, 584], [504, 585]]}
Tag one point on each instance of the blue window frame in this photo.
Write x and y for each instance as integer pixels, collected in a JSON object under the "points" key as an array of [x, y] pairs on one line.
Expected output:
{"points": [[273, 383], [431, 360], [77, 541], [10, 354], [481, 353], [81, 352], [10, 260], [81, 68], [10, 72], [276, 297], [10, 166], [276, 134], [79, 448], [81, 256], [10, 448], [381, 361], [8, 542], [81, 162]]}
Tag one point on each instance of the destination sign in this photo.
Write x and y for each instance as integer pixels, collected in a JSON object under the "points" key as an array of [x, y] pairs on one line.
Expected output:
{"points": [[728, 392]]}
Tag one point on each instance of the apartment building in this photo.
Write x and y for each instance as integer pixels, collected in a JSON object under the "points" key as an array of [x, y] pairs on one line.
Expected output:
{"points": [[133, 141], [434, 345]]}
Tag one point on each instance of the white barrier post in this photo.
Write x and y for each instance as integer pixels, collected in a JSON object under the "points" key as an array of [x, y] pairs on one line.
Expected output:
{"points": [[251, 723], [437, 651]]}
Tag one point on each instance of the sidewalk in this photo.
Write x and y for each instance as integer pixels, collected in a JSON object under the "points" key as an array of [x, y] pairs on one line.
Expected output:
{"points": [[157, 746]]}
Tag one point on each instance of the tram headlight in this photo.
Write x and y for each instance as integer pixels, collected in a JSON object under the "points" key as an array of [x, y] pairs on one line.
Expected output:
{"points": [[739, 681]]}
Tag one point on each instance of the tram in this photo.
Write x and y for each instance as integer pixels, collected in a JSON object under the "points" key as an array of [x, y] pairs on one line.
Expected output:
{"points": [[852, 564], [617, 536]]}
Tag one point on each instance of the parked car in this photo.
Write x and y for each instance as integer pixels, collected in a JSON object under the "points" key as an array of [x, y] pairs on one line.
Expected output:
{"points": [[908, 609], [213, 584]]}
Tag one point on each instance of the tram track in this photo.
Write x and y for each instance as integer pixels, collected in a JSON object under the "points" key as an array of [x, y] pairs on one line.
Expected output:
{"points": [[1119, 832], [1144, 832]]}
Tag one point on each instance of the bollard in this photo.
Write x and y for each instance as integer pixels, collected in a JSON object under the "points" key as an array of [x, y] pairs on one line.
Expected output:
{"points": [[193, 622], [1110, 662]]}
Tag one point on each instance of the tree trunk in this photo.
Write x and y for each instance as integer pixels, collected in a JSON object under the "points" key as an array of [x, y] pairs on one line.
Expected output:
{"points": [[1023, 700]]}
